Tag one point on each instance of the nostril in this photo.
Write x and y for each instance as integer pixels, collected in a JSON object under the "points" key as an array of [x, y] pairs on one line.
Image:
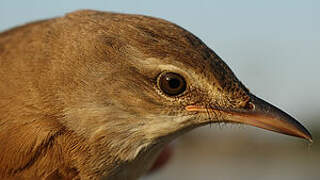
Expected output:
{"points": [[250, 106]]}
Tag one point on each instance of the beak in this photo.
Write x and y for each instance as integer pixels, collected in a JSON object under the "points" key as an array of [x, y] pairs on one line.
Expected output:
{"points": [[262, 115]]}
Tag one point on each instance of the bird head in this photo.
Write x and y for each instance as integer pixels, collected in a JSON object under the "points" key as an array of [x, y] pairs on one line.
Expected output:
{"points": [[143, 81], [102, 93]]}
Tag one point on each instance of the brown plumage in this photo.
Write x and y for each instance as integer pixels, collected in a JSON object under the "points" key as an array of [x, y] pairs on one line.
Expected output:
{"points": [[80, 95]]}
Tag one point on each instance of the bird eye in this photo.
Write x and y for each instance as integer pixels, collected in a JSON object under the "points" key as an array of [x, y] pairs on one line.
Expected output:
{"points": [[172, 84]]}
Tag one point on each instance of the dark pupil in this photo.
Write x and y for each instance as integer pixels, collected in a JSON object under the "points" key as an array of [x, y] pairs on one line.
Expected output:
{"points": [[173, 83]]}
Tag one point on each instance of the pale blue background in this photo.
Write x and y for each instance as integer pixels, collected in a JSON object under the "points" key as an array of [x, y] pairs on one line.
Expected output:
{"points": [[273, 46]]}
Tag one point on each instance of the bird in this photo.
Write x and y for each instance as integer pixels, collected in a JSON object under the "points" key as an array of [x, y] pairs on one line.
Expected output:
{"points": [[99, 95]]}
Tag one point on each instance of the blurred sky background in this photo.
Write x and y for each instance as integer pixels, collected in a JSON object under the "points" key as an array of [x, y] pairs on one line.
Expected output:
{"points": [[272, 46]]}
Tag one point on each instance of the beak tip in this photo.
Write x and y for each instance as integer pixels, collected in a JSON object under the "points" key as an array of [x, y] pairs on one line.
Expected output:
{"points": [[308, 137], [303, 132]]}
